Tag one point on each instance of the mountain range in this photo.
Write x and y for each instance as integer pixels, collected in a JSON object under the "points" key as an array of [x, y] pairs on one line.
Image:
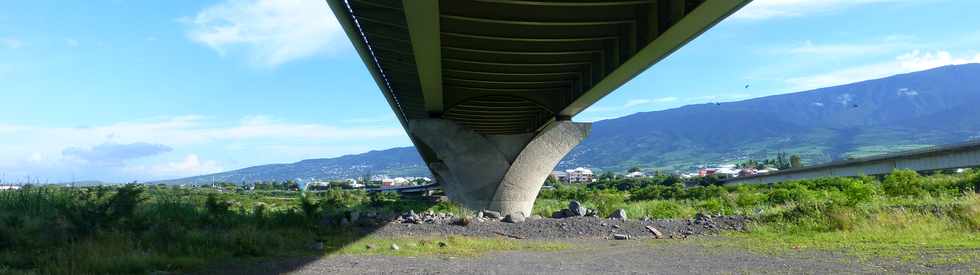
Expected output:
{"points": [[900, 112]]}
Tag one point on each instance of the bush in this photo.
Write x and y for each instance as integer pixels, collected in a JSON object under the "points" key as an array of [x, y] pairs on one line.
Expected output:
{"points": [[715, 206], [969, 213], [658, 210], [903, 183], [216, 208], [607, 201], [842, 218], [750, 199]]}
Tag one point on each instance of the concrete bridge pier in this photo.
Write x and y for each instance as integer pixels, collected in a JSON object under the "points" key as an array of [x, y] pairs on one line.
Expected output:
{"points": [[494, 172]]}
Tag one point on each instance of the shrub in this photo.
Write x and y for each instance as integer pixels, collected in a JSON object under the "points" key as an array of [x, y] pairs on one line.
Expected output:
{"points": [[749, 199], [969, 213], [309, 206], [216, 208], [607, 201], [903, 182], [842, 218], [658, 210], [715, 206], [706, 192]]}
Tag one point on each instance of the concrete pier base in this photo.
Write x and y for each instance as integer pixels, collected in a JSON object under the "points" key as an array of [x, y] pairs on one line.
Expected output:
{"points": [[495, 172]]}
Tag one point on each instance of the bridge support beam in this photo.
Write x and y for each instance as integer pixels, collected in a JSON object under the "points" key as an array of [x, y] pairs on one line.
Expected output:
{"points": [[495, 172]]}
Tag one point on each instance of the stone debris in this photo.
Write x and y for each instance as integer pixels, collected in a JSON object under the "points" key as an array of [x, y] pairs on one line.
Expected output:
{"points": [[577, 209], [621, 236], [524, 227], [656, 233], [491, 214], [619, 214], [514, 218], [395, 247], [427, 217]]}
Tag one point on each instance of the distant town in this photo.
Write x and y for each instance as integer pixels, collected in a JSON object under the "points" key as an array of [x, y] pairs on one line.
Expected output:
{"points": [[579, 175]]}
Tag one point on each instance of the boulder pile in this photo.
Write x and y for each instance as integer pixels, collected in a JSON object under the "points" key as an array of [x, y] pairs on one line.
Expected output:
{"points": [[575, 209], [427, 217]]}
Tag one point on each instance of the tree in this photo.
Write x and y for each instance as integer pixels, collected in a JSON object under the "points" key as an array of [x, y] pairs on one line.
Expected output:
{"points": [[551, 180], [782, 161], [795, 162], [608, 175], [633, 169]]}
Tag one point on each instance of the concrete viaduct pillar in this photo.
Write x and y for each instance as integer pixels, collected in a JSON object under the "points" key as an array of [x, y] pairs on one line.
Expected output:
{"points": [[495, 172]]}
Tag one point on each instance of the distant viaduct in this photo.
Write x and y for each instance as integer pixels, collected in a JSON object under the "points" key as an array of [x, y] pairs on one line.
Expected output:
{"points": [[930, 159]]}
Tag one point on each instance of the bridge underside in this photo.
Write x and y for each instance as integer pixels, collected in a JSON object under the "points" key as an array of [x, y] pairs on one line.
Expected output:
{"points": [[505, 71]]}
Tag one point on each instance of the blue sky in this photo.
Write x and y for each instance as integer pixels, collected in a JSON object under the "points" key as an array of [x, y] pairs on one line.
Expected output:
{"points": [[121, 90]]}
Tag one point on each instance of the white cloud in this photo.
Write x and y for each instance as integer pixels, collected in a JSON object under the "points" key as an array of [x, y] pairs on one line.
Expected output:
{"points": [[636, 102], [719, 97], [905, 63], [31, 149], [818, 104], [766, 9], [269, 32], [630, 104], [190, 165], [846, 49], [184, 130], [36, 157], [11, 43], [111, 153]]}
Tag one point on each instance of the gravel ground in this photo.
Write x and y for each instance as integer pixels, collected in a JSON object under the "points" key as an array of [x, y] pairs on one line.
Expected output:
{"points": [[692, 256], [579, 228], [685, 247]]}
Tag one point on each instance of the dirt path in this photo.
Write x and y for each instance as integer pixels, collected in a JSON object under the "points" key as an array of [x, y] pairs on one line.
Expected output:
{"points": [[604, 257]]}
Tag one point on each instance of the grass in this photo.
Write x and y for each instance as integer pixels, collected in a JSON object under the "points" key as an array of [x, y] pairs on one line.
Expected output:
{"points": [[905, 235], [458, 246], [140, 229]]}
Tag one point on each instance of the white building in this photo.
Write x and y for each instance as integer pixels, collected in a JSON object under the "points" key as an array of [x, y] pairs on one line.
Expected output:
{"points": [[9, 187], [636, 174], [580, 174]]}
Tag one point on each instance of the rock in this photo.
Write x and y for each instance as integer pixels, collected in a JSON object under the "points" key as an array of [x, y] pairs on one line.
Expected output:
{"points": [[514, 218], [700, 218], [577, 209], [656, 233], [591, 213], [560, 214], [603, 224], [616, 226], [619, 214], [443, 244], [479, 215], [491, 214], [621, 236], [369, 246], [395, 247], [535, 217]]}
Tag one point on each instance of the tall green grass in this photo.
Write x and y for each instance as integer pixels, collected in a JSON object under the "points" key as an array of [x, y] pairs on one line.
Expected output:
{"points": [[137, 229]]}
